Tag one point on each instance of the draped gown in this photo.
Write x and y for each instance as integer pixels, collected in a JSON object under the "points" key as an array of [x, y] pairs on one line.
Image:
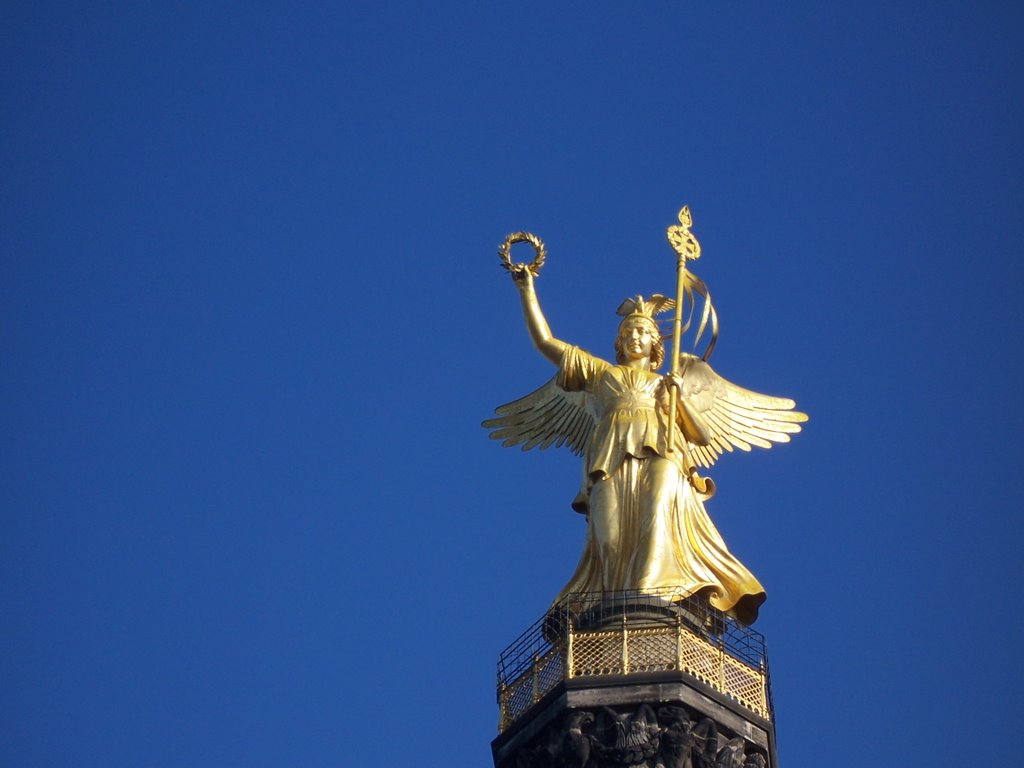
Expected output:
{"points": [[647, 528]]}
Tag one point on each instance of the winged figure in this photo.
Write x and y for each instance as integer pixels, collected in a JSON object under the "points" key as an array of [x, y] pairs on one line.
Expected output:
{"points": [[647, 527]]}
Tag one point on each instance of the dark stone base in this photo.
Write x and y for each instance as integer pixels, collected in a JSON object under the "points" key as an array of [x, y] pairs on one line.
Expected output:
{"points": [[655, 720]]}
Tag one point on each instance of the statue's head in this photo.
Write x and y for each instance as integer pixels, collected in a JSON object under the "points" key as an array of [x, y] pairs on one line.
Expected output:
{"points": [[638, 313], [640, 325]]}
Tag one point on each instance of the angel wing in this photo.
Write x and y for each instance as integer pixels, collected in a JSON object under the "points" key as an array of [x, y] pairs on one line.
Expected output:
{"points": [[547, 416], [731, 416]]}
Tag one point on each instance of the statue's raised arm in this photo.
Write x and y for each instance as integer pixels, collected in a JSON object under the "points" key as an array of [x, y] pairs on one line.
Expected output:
{"points": [[536, 323]]}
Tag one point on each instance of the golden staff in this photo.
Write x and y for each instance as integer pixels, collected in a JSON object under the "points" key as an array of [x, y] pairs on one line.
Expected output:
{"points": [[687, 248]]}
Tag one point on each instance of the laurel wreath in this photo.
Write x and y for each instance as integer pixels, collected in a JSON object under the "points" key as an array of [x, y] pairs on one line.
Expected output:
{"points": [[522, 237]]}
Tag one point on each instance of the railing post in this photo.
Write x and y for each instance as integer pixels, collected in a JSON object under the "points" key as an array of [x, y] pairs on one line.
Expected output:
{"points": [[764, 688], [625, 647], [721, 666], [679, 643], [502, 705], [535, 694], [569, 661]]}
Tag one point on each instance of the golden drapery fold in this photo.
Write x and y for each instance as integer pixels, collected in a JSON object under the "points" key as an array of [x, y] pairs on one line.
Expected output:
{"points": [[647, 528]]}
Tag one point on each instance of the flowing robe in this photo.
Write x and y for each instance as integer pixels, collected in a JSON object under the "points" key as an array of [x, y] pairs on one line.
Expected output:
{"points": [[647, 528]]}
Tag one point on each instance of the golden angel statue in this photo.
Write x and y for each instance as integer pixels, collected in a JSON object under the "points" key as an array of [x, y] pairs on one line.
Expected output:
{"points": [[647, 528]]}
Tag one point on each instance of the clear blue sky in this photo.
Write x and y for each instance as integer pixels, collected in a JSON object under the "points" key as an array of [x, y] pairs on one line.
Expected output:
{"points": [[251, 317]]}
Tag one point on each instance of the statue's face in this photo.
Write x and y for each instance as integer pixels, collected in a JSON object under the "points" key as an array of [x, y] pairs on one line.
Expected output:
{"points": [[637, 340]]}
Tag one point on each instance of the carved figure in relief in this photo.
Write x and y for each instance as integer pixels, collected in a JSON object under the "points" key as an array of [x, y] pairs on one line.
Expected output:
{"points": [[642, 437], [606, 738]]}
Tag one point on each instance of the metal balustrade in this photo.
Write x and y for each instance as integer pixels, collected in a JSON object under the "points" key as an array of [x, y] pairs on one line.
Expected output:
{"points": [[594, 635]]}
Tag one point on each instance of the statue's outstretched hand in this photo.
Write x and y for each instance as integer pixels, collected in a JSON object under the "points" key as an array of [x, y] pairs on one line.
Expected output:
{"points": [[521, 276]]}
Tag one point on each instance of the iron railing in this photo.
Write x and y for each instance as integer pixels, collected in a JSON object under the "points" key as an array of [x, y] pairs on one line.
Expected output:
{"points": [[624, 633]]}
